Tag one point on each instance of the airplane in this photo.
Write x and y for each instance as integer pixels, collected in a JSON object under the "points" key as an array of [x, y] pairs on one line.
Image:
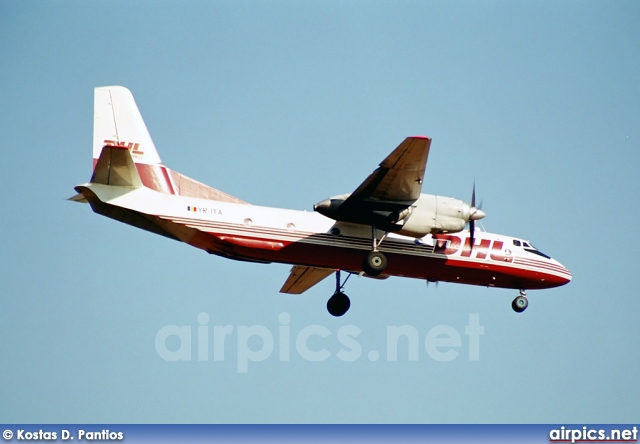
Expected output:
{"points": [[386, 227]]}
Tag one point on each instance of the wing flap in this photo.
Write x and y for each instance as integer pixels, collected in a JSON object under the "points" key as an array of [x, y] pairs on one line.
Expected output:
{"points": [[303, 278]]}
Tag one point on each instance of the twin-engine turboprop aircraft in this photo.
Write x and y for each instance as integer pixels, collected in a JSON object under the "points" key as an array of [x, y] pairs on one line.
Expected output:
{"points": [[386, 227]]}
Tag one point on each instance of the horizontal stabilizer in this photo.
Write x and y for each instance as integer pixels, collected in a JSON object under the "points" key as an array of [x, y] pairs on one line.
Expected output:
{"points": [[115, 167], [303, 278], [78, 198]]}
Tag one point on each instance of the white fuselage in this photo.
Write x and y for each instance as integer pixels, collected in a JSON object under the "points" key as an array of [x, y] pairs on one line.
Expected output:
{"points": [[264, 234]]}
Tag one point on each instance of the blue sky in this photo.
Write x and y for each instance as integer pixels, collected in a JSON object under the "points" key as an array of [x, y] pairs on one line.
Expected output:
{"points": [[284, 104]]}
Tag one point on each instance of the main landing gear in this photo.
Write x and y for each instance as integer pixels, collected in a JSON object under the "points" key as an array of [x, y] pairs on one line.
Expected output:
{"points": [[375, 262], [339, 303], [520, 303]]}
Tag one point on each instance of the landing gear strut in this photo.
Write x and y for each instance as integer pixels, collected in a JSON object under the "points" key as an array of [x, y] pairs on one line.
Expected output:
{"points": [[520, 303], [375, 262], [339, 303]]}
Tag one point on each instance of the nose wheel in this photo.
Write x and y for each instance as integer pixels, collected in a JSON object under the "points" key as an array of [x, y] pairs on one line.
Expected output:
{"points": [[520, 303]]}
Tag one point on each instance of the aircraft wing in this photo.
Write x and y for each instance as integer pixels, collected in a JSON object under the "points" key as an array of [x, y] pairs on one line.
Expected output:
{"points": [[391, 189], [303, 278], [399, 177]]}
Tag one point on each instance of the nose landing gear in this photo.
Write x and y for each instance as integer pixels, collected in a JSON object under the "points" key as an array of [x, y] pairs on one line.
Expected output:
{"points": [[520, 303]]}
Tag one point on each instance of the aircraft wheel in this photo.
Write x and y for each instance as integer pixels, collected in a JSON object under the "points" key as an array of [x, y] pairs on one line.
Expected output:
{"points": [[520, 304], [374, 263], [338, 304]]}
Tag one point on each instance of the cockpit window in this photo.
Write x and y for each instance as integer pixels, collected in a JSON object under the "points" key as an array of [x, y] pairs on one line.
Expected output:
{"points": [[529, 248], [534, 250]]}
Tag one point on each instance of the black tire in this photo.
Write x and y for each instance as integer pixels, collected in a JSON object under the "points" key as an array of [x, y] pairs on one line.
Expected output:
{"points": [[375, 263], [520, 304], [338, 304]]}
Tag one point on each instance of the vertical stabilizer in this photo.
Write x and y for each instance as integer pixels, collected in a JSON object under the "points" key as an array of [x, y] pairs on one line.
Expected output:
{"points": [[118, 126], [117, 121]]}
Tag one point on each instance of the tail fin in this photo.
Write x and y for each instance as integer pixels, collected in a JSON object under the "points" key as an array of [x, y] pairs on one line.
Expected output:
{"points": [[117, 121], [117, 126]]}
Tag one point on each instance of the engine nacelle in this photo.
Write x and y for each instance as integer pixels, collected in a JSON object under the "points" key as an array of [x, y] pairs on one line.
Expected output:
{"points": [[435, 214], [428, 215]]}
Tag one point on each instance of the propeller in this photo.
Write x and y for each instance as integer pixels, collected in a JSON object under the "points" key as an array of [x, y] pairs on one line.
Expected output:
{"points": [[475, 213]]}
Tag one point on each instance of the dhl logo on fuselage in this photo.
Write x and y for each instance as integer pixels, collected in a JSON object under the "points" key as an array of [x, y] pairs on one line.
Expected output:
{"points": [[133, 147], [449, 244]]}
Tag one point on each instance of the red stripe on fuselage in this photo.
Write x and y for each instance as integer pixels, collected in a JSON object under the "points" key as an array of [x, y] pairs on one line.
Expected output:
{"points": [[436, 267]]}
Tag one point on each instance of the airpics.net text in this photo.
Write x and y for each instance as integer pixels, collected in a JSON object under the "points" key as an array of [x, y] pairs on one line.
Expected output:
{"points": [[313, 343]]}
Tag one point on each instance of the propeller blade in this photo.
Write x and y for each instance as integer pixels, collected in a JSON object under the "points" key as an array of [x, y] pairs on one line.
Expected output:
{"points": [[473, 195], [475, 213], [472, 222]]}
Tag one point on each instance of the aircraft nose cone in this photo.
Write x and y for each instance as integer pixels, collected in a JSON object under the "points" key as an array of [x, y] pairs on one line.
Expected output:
{"points": [[566, 278], [477, 214]]}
